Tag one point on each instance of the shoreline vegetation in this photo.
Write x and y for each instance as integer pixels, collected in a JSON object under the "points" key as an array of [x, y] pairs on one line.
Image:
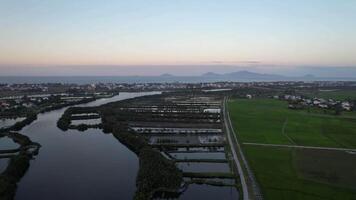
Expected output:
{"points": [[64, 123], [157, 175], [19, 162], [32, 116]]}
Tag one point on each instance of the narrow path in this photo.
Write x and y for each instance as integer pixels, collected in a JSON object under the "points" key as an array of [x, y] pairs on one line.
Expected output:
{"points": [[222, 175], [250, 187], [284, 132], [298, 146], [201, 160]]}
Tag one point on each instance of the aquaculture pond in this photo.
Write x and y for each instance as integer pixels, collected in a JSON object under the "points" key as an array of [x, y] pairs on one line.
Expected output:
{"points": [[208, 192], [7, 143]]}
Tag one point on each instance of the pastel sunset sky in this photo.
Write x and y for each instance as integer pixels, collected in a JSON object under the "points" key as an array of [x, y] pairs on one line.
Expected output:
{"points": [[115, 37]]}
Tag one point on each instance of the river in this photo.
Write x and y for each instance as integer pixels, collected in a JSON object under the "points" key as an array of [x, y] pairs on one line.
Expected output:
{"points": [[78, 165]]}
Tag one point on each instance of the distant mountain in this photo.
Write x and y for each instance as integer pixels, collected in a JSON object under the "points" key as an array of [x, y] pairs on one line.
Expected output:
{"points": [[243, 76], [211, 74], [166, 75], [246, 76]]}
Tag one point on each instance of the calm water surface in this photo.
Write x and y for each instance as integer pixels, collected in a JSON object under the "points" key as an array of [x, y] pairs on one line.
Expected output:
{"points": [[208, 192], [78, 165]]}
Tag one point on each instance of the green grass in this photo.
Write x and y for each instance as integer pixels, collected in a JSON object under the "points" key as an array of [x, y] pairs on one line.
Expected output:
{"points": [[289, 173], [209, 175], [332, 167], [262, 121], [279, 172]]}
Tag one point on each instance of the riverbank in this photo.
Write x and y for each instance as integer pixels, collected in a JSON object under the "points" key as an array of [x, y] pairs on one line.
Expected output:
{"points": [[19, 162]]}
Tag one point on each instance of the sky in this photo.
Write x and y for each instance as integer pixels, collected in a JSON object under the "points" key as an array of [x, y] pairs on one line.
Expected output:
{"points": [[148, 37]]}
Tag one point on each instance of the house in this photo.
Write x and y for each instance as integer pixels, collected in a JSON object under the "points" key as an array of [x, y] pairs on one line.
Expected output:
{"points": [[28, 105], [4, 105], [346, 106], [316, 102], [323, 106]]}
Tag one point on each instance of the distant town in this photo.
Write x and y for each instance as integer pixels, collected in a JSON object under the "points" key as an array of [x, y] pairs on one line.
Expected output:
{"points": [[17, 96]]}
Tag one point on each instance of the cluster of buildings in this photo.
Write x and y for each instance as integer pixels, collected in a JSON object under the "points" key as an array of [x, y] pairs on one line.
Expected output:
{"points": [[296, 102], [247, 89], [31, 101], [7, 103], [63, 87], [24, 87]]}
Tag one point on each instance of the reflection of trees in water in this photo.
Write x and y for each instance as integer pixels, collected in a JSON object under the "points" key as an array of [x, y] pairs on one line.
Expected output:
{"points": [[156, 175], [18, 164]]}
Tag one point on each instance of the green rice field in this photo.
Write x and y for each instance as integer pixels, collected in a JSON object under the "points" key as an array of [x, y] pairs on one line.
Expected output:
{"points": [[295, 173]]}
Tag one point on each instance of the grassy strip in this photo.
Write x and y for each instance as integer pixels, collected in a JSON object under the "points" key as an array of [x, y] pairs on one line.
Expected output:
{"points": [[210, 182], [202, 160], [187, 145], [209, 175]]}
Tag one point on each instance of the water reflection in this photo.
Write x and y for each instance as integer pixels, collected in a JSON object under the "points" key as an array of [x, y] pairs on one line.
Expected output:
{"points": [[207, 192], [73, 165]]}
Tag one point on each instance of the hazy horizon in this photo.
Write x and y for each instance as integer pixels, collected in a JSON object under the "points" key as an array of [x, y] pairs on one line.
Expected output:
{"points": [[120, 38], [176, 70]]}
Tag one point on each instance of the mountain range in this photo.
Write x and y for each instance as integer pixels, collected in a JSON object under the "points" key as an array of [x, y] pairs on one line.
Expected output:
{"points": [[253, 76]]}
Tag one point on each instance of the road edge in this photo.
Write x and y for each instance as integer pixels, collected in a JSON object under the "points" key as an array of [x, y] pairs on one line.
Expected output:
{"points": [[250, 187]]}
